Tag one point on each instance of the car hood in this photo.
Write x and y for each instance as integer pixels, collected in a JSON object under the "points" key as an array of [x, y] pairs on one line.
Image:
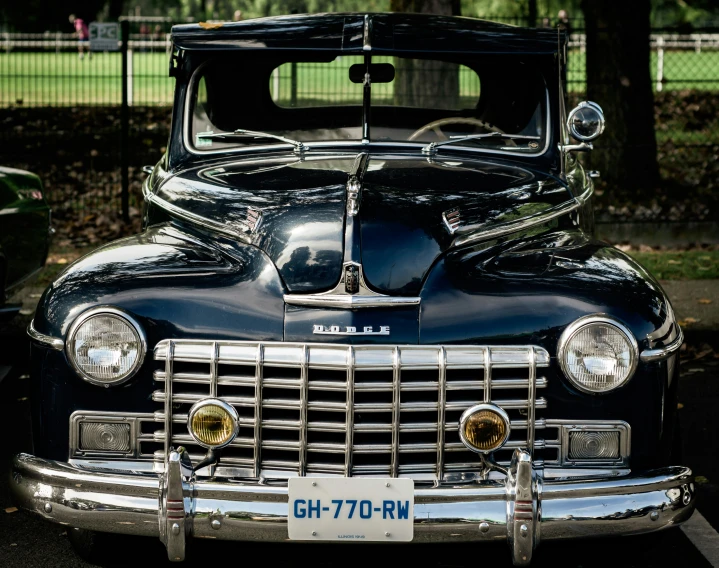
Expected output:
{"points": [[294, 210]]}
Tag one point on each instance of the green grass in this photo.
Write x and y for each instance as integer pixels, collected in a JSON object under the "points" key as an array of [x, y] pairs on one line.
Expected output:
{"points": [[680, 265], [56, 79]]}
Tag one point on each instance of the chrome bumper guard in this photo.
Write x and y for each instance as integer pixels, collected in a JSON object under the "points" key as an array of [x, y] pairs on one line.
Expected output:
{"points": [[523, 509]]}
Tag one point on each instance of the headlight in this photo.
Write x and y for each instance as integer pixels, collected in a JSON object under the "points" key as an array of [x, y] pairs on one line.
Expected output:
{"points": [[597, 354], [105, 346], [213, 423]]}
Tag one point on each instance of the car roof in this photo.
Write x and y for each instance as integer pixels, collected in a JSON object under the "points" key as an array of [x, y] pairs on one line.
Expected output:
{"points": [[375, 33]]}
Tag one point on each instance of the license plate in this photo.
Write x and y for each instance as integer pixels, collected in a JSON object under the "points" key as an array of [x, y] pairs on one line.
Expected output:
{"points": [[351, 509]]}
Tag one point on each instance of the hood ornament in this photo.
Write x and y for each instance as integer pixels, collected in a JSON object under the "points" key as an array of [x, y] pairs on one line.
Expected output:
{"points": [[354, 184]]}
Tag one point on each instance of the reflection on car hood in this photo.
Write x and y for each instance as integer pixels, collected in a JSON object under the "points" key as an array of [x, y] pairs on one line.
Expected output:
{"points": [[294, 210]]}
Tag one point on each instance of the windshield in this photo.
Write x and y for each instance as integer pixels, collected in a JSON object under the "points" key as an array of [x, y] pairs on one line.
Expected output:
{"points": [[409, 100]]}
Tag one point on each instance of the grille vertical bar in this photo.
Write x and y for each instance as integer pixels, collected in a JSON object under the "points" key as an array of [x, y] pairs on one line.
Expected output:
{"points": [[350, 412], [531, 395], [168, 400], [304, 403], [257, 435], [213, 369], [487, 374], [441, 409], [396, 378]]}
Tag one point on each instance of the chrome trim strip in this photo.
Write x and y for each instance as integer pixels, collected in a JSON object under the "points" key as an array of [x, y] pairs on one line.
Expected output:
{"points": [[169, 360], [487, 386], [257, 433], [184, 215], [665, 329], [45, 340], [304, 403], [119, 502], [367, 34], [583, 321], [661, 353], [347, 302], [396, 405], [117, 312], [441, 410], [349, 413], [532, 395], [472, 234]]}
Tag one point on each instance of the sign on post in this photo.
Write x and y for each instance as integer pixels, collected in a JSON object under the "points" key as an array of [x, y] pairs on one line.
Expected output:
{"points": [[104, 36]]}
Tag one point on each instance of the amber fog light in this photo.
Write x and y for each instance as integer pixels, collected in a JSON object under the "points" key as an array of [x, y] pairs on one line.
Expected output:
{"points": [[213, 423], [484, 428]]}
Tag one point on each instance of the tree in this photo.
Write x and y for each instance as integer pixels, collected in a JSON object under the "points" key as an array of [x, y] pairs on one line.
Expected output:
{"points": [[421, 83], [619, 80]]}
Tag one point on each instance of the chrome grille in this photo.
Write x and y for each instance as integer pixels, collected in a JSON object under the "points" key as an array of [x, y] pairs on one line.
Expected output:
{"points": [[349, 409]]}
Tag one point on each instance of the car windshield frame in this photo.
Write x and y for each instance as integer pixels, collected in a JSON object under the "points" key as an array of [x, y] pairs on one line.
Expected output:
{"points": [[461, 145]]}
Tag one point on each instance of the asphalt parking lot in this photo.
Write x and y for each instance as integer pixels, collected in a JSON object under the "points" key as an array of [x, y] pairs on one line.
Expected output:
{"points": [[29, 541]]}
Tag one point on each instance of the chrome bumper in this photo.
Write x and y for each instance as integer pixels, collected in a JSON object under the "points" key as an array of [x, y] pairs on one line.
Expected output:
{"points": [[523, 509]]}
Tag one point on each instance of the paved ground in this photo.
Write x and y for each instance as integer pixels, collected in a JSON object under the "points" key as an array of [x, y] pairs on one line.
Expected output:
{"points": [[689, 299], [28, 541]]}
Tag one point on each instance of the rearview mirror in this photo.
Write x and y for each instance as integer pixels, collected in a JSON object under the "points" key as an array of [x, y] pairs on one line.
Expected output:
{"points": [[378, 72], [586, 121]]}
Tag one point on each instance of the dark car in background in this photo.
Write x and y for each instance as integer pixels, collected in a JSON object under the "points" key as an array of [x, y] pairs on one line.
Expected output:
{"points": [[367, 305], [24, 233]]}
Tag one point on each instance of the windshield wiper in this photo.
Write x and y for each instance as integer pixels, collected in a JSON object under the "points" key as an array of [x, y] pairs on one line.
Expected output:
{"points": [[431, 147], [239, 133]]}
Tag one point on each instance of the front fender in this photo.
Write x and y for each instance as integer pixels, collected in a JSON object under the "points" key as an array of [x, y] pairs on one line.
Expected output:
{"points": [[529, 293], [174, 286]]}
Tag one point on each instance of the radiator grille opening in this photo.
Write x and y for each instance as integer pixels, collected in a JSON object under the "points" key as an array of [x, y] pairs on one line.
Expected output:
{"points": [[305, 408]]}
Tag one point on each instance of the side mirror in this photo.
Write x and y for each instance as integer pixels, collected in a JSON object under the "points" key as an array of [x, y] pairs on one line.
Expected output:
{"points": [[586, 121]]}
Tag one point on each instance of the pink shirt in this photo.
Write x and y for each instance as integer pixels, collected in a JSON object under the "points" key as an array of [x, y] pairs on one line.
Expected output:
{"points": [[81, 29]]}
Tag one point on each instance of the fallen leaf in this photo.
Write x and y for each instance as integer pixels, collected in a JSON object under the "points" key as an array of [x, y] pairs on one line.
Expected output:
{"points": [[13, 544], [680, 405], [210, 25], [674, 261], [61, 261], [700, 479], [11, 510], [704, 301], [22, 399], [688, 321]]}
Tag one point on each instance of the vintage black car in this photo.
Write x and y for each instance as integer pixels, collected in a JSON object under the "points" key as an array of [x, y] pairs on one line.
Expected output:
{"points": [[367, 304]]}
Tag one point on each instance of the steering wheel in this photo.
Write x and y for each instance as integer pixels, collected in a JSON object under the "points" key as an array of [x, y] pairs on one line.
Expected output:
{"points": [[437, 124]]}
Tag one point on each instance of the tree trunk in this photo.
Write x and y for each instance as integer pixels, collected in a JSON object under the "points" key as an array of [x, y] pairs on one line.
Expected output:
{"points": [[619, 80], [419, 83]]}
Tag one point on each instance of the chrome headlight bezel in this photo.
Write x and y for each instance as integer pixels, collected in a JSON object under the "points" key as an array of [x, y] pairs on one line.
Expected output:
{"points": [[113, 312], [589, 320]]}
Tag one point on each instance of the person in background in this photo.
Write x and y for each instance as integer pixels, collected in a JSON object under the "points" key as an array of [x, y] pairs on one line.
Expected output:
{"points": [[83, 36], [563, 21], [237, 16]]}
